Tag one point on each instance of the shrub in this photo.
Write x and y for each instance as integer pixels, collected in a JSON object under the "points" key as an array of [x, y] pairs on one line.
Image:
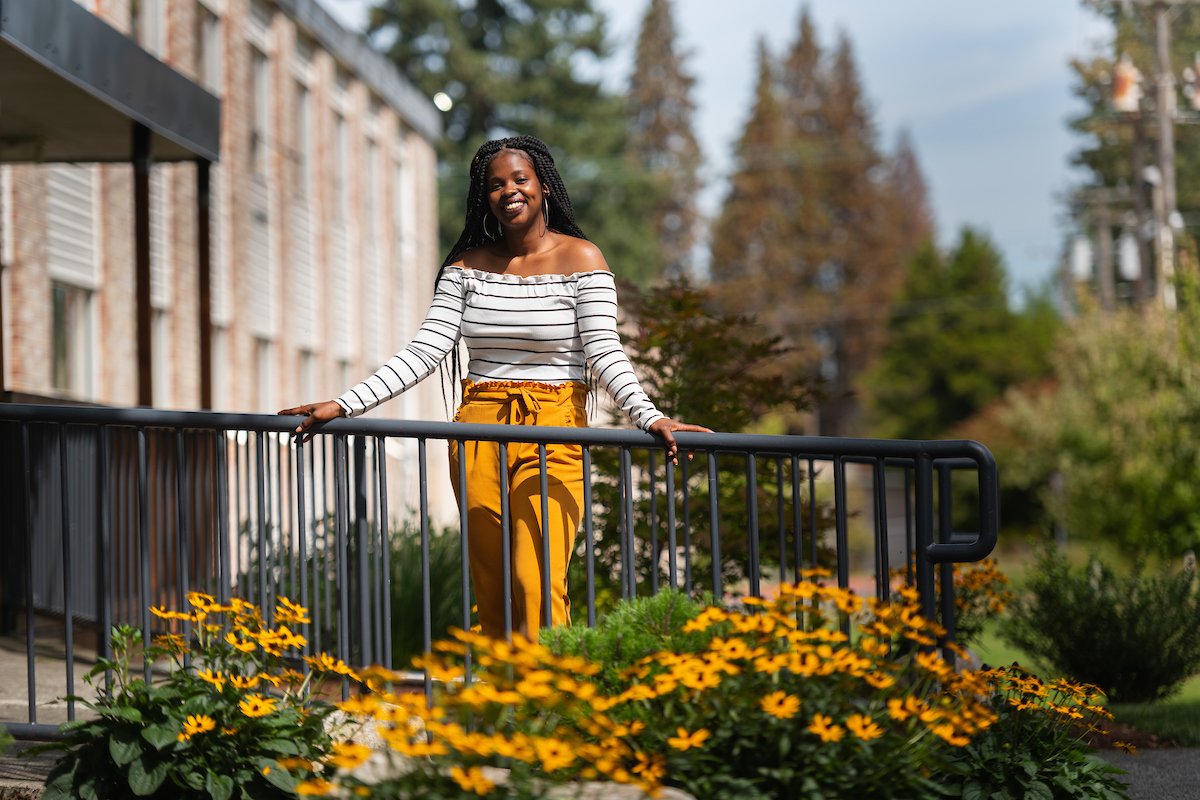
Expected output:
{"points": [[775, 701], [231, 715], [5, 739], [1037, 746], [1135, 637]]}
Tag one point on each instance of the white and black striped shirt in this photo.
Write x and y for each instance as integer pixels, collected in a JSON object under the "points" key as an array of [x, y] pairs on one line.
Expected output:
{"points": [[541, 328]]}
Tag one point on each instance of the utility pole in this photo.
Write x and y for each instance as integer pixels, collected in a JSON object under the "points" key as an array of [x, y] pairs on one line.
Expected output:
{"points": [[1161, 177]]}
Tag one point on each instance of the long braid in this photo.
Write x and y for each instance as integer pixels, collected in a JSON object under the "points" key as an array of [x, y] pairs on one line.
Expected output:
{"points": [[562, 213]]}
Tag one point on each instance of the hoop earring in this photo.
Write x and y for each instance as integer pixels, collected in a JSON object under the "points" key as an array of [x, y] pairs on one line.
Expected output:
{"points": [[546, 209], [488, 234]]}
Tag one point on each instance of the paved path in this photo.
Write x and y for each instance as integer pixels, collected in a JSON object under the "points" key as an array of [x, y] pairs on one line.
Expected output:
{"points": [[1163, 774]]}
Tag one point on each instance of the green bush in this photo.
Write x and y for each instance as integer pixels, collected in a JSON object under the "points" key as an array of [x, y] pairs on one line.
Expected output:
{"points": [[1135, 637], [232, 716], [634, 629], [1037, 746], [5, 739]]}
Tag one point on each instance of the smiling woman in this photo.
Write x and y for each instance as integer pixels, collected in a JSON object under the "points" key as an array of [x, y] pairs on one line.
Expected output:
{"points": [[536, 305]]}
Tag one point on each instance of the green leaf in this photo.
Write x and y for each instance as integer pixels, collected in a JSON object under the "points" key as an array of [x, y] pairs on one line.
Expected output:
{"points": [[1038, 791], [124, 746], [122, 712], [145, 781], [973, 791], [283, 746], [61, 781], [159, 736], [219, 787], [88, 791], [277, 776]]}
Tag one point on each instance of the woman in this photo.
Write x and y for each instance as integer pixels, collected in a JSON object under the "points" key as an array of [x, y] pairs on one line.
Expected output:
{"points": [[535, 303]]}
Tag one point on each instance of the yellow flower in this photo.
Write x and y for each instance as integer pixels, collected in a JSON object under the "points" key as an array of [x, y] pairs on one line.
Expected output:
{"points": [[821, 726], [946, 733], [215, 678], [1127, 747], [314, 787], [686, 741], [553, 754], [255, 705], [349, 755], [781, 705], [472, 780], [287, 611], [171, 642], [196, 724], [239, 682], [880, 680], [863, 727], [243, 645], [201, 601]]}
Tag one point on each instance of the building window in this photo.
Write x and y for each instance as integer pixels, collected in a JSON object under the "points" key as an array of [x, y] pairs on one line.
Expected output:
{"points": [[302, 155], [72, 340], [260, 112], [148, 25], [209, 66]]}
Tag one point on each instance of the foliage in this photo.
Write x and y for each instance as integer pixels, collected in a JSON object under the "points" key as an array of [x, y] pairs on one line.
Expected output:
{"points": [[445, 580], [818, 221], [774, 701], [231, 718], [981, 594], [318, 578], [631, 631], [662, 140], [530, 68], [1135, 637], [5, 739], [1114, 446], [1037, 747], [1176, 720], [722, 371], [954, 343]]}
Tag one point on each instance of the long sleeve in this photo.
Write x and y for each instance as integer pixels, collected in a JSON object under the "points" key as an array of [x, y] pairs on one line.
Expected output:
{"points": [[596, 314], [437, 336]]}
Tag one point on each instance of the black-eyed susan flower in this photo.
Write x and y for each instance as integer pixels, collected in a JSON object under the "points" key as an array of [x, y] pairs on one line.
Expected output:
{"points": [[196, 724], [255, 705], [780, 705], [314, 787], [686, 741], [472, 779], [349, 755], [823, 728], [863, 727]]}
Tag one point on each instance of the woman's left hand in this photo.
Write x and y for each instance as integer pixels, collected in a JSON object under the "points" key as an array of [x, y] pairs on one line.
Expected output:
{"points": [[666, 427]]}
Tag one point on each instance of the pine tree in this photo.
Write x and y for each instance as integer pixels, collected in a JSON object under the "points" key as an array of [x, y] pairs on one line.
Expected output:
{"points": [[955, 344], [662, 141], [906, 200], [524, 68], [752, 254]]}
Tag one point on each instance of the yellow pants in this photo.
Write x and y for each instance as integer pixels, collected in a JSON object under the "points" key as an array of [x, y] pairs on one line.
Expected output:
{"points": [[520, 403]]}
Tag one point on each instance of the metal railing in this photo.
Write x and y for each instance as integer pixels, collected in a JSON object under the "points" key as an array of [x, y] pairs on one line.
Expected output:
{"points": [[105, 512]]}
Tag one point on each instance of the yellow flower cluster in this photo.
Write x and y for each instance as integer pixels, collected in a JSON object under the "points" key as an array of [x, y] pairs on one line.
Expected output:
{"points": [[1073, 704]]}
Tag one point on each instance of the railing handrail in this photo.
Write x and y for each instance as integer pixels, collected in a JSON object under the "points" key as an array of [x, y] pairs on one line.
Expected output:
{"points": [[952, 453]]}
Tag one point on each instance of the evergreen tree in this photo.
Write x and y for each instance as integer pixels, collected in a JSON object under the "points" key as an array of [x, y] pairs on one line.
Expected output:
{"points": [[662, 141], [954, 342], [751, 253], [815, 230], [526, 67]]}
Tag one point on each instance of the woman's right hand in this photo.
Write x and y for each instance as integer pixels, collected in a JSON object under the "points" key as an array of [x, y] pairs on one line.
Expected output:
{"points": [[314, 414]]}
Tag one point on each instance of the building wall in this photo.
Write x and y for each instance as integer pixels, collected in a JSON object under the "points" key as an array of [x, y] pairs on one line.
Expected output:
{"points": [[283, 334]]}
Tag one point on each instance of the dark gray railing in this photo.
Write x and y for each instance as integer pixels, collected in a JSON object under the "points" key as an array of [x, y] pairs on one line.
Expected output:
{"points": [[104, 512]]}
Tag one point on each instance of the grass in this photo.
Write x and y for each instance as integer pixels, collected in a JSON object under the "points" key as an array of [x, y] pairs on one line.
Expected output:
{"points": [[1176, 719]]}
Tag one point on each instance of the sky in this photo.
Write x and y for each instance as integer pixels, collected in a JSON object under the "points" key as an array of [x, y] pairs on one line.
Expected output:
{"points": [[983, 89]]}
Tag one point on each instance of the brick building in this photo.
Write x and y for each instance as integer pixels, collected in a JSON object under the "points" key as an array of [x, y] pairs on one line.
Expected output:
{"points": [[323, 225]]}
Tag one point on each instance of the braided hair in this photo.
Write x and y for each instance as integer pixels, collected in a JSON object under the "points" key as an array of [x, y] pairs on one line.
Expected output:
{"points": [[474, 234], [562, 214]]}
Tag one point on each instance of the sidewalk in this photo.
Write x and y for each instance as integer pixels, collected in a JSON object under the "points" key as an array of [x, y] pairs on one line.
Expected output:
{"points": [[1169, 773]]}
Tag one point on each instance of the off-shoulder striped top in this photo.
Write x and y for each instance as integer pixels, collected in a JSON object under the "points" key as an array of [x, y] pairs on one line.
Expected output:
{"points": [[541, 328]]}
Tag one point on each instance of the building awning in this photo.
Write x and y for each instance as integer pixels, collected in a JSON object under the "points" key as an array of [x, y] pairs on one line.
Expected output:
{"points": [[71, 87]]}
